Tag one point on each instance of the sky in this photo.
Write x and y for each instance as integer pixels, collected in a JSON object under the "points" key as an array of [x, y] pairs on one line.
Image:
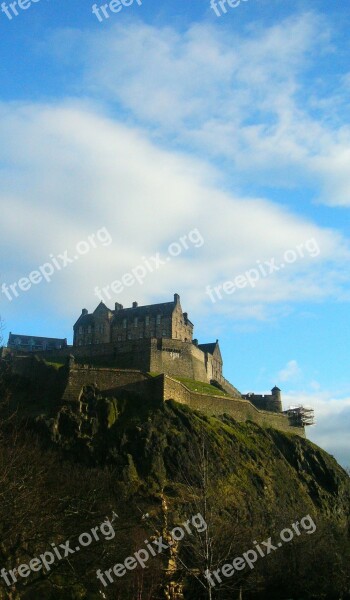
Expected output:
{"points": [[202, 149]]}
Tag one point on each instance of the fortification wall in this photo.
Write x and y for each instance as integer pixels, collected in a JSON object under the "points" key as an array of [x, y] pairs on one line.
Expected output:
{"points": [[45, 379], [228, 387], [177, 358], [106, 380], [67, 383], [265, 402], [238, 408]]}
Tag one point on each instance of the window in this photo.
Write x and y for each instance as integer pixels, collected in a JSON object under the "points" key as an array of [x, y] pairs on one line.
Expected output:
{"points": [[80, 329], [129, 336], [135, 322], [89, 329], [141, 336], [124, 323], [119, 338], [158, 319], [164, 333], [147, 321], [102, 328]]}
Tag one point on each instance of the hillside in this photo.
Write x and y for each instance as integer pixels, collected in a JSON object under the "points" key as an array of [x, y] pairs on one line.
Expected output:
{"points": [[67, 469]]}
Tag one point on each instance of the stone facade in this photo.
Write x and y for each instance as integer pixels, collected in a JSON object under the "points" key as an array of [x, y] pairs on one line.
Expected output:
{"points": [[155, 338], [120, 325]]}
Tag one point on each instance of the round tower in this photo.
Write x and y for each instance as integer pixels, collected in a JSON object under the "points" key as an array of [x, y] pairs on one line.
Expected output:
{"points": [[276, 401]]}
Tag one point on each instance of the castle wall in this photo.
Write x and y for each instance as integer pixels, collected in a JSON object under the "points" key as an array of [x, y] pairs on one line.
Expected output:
{"points": [[265, 402], [45, 379], [104, 379], [67, 384], [179, 359], [240, 409], [228, 387]]}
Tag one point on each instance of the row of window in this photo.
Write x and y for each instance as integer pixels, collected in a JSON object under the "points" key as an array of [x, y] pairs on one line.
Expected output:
{"points": [[38, 345], [101, 328], [130, 336]]}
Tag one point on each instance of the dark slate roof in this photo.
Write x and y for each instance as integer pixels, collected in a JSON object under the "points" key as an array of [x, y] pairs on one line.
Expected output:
{"points": [[208, 347], [165, 309], [85, 320], [275, 389], [102, 306]]}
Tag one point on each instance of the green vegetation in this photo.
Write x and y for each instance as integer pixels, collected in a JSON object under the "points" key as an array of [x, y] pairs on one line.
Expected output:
{"points": [[156, 465], [201, 387]]}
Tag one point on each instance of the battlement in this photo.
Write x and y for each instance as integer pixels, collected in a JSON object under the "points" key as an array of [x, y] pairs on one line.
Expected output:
{"points": [[271, 402], [72, 380]]}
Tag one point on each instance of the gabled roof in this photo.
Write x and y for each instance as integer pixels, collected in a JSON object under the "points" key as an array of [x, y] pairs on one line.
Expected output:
{"points": [[102, 308]]}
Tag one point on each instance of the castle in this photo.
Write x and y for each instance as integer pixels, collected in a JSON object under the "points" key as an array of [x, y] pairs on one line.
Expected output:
{"points": [[155, 338], [153, 341]]}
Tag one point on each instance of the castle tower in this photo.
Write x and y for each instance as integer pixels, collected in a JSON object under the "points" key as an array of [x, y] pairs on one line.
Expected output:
{"points": [[276, 402]]}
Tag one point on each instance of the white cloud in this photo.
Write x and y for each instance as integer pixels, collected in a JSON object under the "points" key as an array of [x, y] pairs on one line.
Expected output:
{"points": [[332, 415], [68, 171], [290, 372], [250, 100]]}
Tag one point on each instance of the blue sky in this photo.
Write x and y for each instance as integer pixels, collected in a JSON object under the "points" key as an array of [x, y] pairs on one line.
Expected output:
{"points": [[166, 119]]}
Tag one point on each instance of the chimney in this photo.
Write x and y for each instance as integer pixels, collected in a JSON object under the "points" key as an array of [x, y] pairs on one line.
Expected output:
{"points": [[84, 311], [134, 305], [195, 342], [117, 306], [186, 317], [176, 298]]}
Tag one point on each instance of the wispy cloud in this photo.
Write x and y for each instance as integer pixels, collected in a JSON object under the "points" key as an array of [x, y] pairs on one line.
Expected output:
{"points": [[75, 168], [252, 100], [290, 372]]}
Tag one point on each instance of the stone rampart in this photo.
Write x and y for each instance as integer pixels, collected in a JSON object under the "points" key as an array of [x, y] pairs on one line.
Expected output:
{"points": [[238, 408], [71, 381], [106, 380]]}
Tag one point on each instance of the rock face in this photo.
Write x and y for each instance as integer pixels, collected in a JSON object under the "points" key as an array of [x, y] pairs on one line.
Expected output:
{"points": [[247, 481], [161, 441]]}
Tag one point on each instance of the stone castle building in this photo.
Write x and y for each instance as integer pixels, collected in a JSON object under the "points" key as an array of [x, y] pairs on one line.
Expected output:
{"points": [[164, 320], [156, 338], [148, 350]]}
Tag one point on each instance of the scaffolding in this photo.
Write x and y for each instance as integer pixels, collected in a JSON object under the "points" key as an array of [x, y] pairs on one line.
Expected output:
{"points": [[301, 416]]}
